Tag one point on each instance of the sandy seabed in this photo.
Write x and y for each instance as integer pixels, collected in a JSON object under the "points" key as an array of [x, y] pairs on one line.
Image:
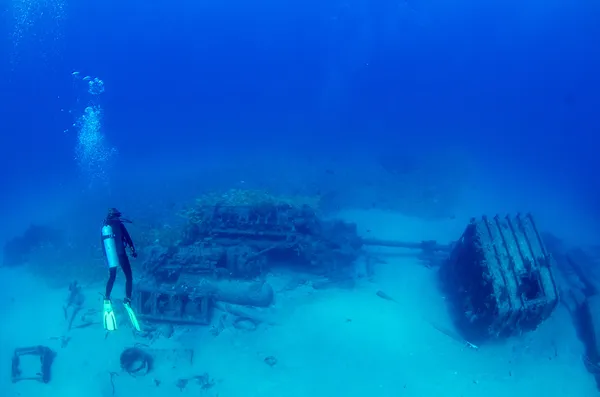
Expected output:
{"points": [[326, 342]]}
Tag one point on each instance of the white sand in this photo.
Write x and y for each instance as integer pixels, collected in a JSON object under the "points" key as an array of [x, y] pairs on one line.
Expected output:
{"points": [[326, 342]]}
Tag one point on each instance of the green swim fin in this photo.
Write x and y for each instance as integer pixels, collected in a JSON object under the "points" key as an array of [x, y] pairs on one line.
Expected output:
{"points": [[110, 322], [132, 316]]}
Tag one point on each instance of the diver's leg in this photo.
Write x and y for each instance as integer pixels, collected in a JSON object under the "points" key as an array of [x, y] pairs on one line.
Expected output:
{"points": [[110, 322], [112, 274], [126, 266]]}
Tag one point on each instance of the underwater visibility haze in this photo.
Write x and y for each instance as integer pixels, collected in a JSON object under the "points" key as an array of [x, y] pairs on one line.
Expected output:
{"points": [[318, 181]]}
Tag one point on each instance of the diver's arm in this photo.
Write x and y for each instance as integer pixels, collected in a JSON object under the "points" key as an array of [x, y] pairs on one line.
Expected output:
{"points": [[128, 241]]}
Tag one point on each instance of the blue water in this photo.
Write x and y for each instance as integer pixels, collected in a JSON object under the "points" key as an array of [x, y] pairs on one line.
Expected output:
{"points": [[513, 86]]}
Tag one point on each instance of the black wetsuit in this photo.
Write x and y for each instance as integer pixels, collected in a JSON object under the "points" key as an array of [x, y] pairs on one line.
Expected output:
{"points": [[122, 242]]}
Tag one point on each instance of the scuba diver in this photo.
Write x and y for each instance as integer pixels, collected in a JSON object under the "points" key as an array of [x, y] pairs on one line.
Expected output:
{"points": [[115, 242]]}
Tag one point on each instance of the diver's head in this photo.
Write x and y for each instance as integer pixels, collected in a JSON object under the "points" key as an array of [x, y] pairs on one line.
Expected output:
{"points": [[115, 214]]}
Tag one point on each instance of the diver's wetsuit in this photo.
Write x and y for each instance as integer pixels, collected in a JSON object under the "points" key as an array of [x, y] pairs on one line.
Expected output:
{"points": [[122, 241]]}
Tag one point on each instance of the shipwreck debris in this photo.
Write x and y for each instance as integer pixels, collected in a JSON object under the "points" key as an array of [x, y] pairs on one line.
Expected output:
{"points": [[179, 306], [243, 241], [228, 245], [271, 361], [385, 296], [41, 374], [429, 252], [245, 324], [204, 381], [578, 286], [73, 304], [453, 335], [136, 362], [498, 280]]}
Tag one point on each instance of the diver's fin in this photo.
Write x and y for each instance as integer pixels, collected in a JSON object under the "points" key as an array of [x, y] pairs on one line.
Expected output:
{"points": [[110, 322], [132, 316]]}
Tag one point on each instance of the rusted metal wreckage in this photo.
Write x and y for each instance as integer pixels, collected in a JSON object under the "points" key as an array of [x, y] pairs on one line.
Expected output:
{"points": [[498, 276], [225, 251]]}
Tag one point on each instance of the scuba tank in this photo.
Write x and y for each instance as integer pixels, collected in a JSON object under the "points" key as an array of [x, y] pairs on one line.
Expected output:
{"points": [[110, 246]]}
